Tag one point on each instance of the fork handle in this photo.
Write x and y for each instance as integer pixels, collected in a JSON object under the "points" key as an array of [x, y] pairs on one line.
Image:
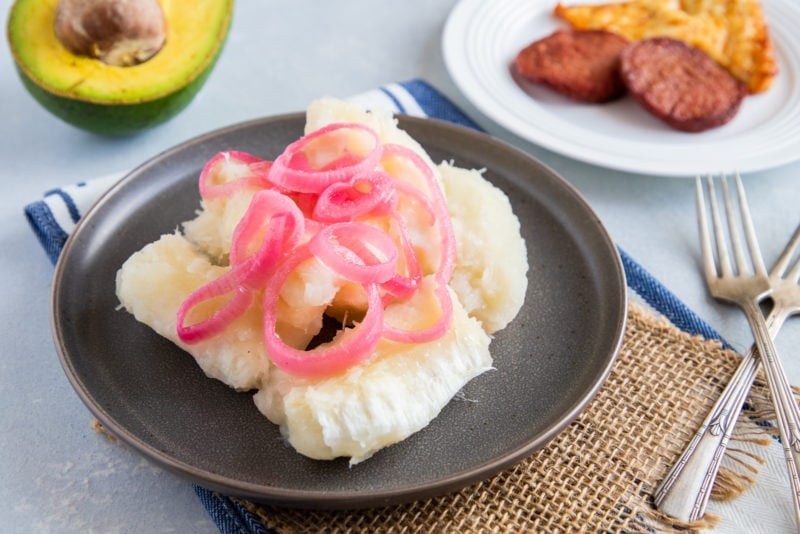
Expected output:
{"points": [[786, 411], [684, 492]]}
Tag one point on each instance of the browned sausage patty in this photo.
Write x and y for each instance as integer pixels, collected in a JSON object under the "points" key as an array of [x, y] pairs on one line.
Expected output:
{"points": [[583, 65], [680, 84]]}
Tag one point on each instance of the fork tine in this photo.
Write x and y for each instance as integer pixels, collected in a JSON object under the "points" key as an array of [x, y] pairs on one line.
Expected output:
{"points": [[734, 222], [783, 262], [719, 231], [709, 268], [750, 232]]}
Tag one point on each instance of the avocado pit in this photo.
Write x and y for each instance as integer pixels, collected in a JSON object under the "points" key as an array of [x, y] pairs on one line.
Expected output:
{"points": [[120, 33]]}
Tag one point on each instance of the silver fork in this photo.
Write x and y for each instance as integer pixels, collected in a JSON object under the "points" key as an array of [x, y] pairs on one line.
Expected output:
{"points": [[685, 491], [745, 287]]}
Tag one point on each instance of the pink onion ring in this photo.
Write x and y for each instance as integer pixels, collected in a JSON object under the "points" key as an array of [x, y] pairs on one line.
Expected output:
{"points": [[321, 361], [300, 212], [403, 286], [240, 299], [362, 194], [292, 172], [254, 224], [256, 179], [439, 206], [356, 251], [435, 331]]}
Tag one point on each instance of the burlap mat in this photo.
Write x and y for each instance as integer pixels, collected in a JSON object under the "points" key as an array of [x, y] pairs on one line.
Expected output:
{"points": [[599, 473]]}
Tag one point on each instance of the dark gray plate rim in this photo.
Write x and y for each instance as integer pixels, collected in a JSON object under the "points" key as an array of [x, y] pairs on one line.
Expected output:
{"points": [[549, 363]]}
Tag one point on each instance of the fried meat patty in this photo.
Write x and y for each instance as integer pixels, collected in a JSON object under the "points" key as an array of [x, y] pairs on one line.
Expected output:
{"points": [[681, 85], [583, 65]]}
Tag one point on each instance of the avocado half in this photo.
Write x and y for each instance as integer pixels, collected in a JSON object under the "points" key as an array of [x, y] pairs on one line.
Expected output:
{"points": [[111, 100]]}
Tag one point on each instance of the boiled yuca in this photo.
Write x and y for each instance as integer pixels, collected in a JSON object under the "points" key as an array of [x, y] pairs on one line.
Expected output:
{"points": [[154, 282], [401, 389], [490, 277], [400, 386]]}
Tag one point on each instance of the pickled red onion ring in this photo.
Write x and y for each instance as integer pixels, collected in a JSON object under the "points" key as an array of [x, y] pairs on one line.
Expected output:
{"points": [[254, 179], [356, 251], [239, 284], [418, 197], [276, 222], [364, 193], [291, 172], [305, 201], [403, 286], [299, 161], [301, 212], [435, 331], [438, 205], [352, 348], [254, 224], [240, 299]]}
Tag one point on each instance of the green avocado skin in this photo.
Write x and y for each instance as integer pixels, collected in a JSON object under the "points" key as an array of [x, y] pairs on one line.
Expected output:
{"points": [[117, 119], [121, 118]]}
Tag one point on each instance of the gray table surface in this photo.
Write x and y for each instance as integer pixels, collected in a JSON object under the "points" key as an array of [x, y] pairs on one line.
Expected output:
{"points": [[56, 474]]}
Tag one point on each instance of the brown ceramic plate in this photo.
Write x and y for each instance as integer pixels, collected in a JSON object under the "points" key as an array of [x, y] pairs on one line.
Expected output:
{"points": [[549, 362]]}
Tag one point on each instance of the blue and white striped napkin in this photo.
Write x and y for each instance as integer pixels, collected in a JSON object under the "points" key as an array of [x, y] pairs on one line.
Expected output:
{"points": [[54, 216]]}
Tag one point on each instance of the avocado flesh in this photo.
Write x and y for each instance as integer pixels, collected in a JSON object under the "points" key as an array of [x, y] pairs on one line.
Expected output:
{"points": [[107, 99]]}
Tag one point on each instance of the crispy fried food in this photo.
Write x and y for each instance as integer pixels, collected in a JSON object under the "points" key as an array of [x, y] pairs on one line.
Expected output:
{"points": [[733, 32], [680, 84], [583, 65]]}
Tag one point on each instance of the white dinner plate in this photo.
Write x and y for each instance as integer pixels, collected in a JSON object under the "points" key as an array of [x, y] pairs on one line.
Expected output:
{"points": [[482, 38]]}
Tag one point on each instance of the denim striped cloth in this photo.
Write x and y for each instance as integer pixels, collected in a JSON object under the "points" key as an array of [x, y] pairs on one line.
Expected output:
{"points": [[54, 216]]}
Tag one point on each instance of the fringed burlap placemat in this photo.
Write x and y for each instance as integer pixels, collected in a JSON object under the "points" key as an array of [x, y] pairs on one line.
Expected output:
{"points": [[599, 473]]}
